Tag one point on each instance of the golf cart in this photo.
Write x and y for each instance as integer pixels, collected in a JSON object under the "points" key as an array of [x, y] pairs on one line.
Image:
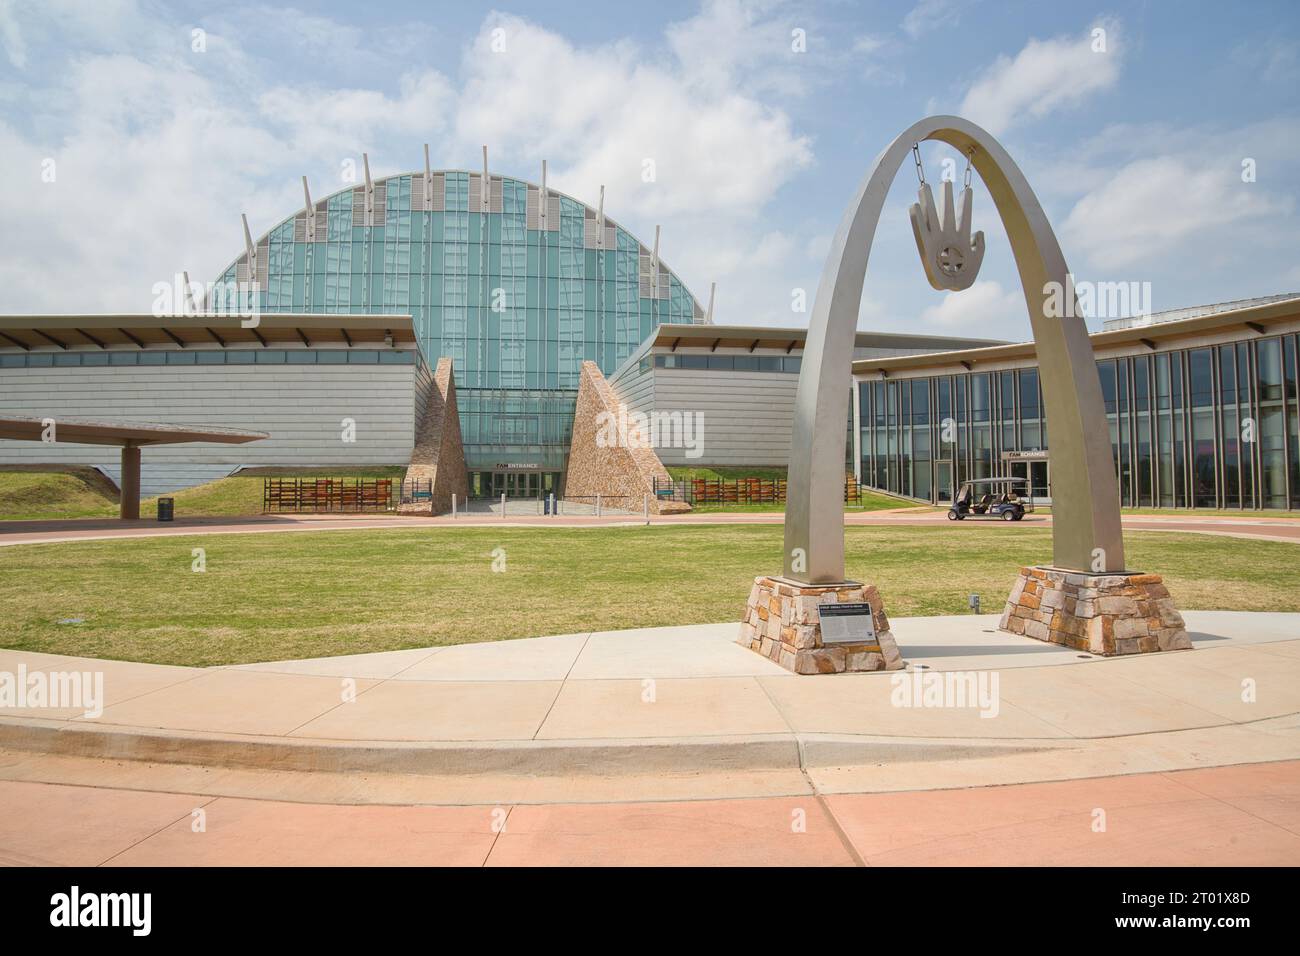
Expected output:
{"points": [[1005, 497]]}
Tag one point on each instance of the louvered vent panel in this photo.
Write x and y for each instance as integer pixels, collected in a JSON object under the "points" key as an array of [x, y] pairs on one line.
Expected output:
{"points": [[475, 193], [417, 193], [263, 260], [438, 202], [497, 203], [644, 287], [241, 270], [665, 286], [611, 240], [359, 207], [299, 228], [322, 225], [531, 207], [381, 203], [552, 213], [590, 233]]}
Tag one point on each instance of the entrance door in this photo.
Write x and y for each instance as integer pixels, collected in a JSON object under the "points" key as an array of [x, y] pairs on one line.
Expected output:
{"points": [[1040, 480], [1037, 474], [525, 484], [516, 484]]}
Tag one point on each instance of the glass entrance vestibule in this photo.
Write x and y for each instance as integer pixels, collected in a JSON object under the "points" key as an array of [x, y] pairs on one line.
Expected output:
{"points": [[1034, 468], [514, 483]]}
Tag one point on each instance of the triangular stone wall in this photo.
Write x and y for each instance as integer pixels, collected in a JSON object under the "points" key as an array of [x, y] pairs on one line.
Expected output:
{"points": [[439, 455], [623, 473]]}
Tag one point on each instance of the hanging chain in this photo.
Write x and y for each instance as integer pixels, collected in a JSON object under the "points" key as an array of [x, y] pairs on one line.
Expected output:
{"points": [[966, 179], [916, 155]]}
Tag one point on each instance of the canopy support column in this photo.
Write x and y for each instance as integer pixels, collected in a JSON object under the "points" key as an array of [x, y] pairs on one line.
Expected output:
{"points": [[130, 506]]}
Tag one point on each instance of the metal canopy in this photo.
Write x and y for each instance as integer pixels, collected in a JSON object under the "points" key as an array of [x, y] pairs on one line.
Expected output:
{"points": [[203, 331], [1258, 318], [130, 436], [788, 339], [88, 431]]}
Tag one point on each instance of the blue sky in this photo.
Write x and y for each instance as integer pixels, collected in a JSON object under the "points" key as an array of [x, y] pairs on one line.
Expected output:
{"points": [[1136, 151]]}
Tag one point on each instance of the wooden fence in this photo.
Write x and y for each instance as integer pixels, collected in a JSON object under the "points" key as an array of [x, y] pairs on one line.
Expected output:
{"points": [[326, 494], [743, 491]]}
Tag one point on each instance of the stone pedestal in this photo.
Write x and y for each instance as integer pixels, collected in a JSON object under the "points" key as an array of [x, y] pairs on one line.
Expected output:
{"points": [[1106, 614], [782, 622]]}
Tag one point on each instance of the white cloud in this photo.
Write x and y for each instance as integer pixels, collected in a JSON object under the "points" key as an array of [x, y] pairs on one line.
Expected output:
{"points": [[11, 37], [871, 53], [599, 114], [978, 311], [748, 46], [1044, 76], [317, 119], [1149, 208], [158, 149], [930, 15], [152, 167]]}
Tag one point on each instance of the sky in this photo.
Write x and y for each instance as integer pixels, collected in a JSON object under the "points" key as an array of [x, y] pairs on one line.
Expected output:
{"points": [[1161, 137]]}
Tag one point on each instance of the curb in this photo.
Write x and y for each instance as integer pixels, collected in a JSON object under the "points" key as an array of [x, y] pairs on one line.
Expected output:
{"points": [[515, 757]]}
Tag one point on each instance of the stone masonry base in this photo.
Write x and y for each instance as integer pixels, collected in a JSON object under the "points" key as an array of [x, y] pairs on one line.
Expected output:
{"points": [[782, 623], [1106, 614]]}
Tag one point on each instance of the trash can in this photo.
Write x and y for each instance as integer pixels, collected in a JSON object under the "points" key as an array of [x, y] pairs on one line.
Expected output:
{"points": [[166, 509]]}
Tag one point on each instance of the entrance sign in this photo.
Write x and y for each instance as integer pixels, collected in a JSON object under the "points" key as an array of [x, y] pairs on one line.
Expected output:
{"points": [[1086, 534], [1031, 455]]}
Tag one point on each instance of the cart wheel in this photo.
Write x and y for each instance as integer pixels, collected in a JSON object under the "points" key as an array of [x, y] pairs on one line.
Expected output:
{"points": [[953, 516], [1008, 516], [1020, 515]]}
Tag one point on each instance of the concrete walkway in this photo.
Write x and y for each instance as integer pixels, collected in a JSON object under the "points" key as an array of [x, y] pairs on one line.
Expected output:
{"points": [[94, 529], [1230, 816], [686, 700]]}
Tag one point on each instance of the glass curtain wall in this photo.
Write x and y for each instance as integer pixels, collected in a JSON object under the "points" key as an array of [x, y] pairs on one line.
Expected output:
{"points": [[1214, 427]]}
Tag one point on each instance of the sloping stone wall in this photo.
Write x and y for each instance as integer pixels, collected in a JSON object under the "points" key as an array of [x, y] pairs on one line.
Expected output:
{"points": [[1106, 614], [622, 472], [439, 455]]}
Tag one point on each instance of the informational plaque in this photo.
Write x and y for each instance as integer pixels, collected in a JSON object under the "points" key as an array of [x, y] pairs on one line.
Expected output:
{"points": [[847, 623]]}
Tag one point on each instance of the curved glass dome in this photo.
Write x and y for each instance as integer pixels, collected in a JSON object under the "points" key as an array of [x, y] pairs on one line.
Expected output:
{"points": [[517, 295], [516, 291]]}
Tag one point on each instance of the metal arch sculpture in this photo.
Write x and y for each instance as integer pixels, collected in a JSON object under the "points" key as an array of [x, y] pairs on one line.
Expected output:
{"points": [[1086, 533]]}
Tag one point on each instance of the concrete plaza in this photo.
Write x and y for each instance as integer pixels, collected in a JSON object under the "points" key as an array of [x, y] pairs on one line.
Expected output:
{"points": [[585, 743]]}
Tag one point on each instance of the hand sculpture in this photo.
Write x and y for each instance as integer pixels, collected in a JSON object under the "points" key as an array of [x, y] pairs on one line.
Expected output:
{"points": [[950, 255]]}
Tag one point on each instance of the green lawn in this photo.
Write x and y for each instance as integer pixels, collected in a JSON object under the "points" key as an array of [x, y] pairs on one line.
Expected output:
{"points": [[76, 493], [55, 495], [870, 501], [308, 594]]}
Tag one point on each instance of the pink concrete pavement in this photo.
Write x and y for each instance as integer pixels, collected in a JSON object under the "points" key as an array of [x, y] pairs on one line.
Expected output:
{"points": [[1226, 816], [87, 529]]}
